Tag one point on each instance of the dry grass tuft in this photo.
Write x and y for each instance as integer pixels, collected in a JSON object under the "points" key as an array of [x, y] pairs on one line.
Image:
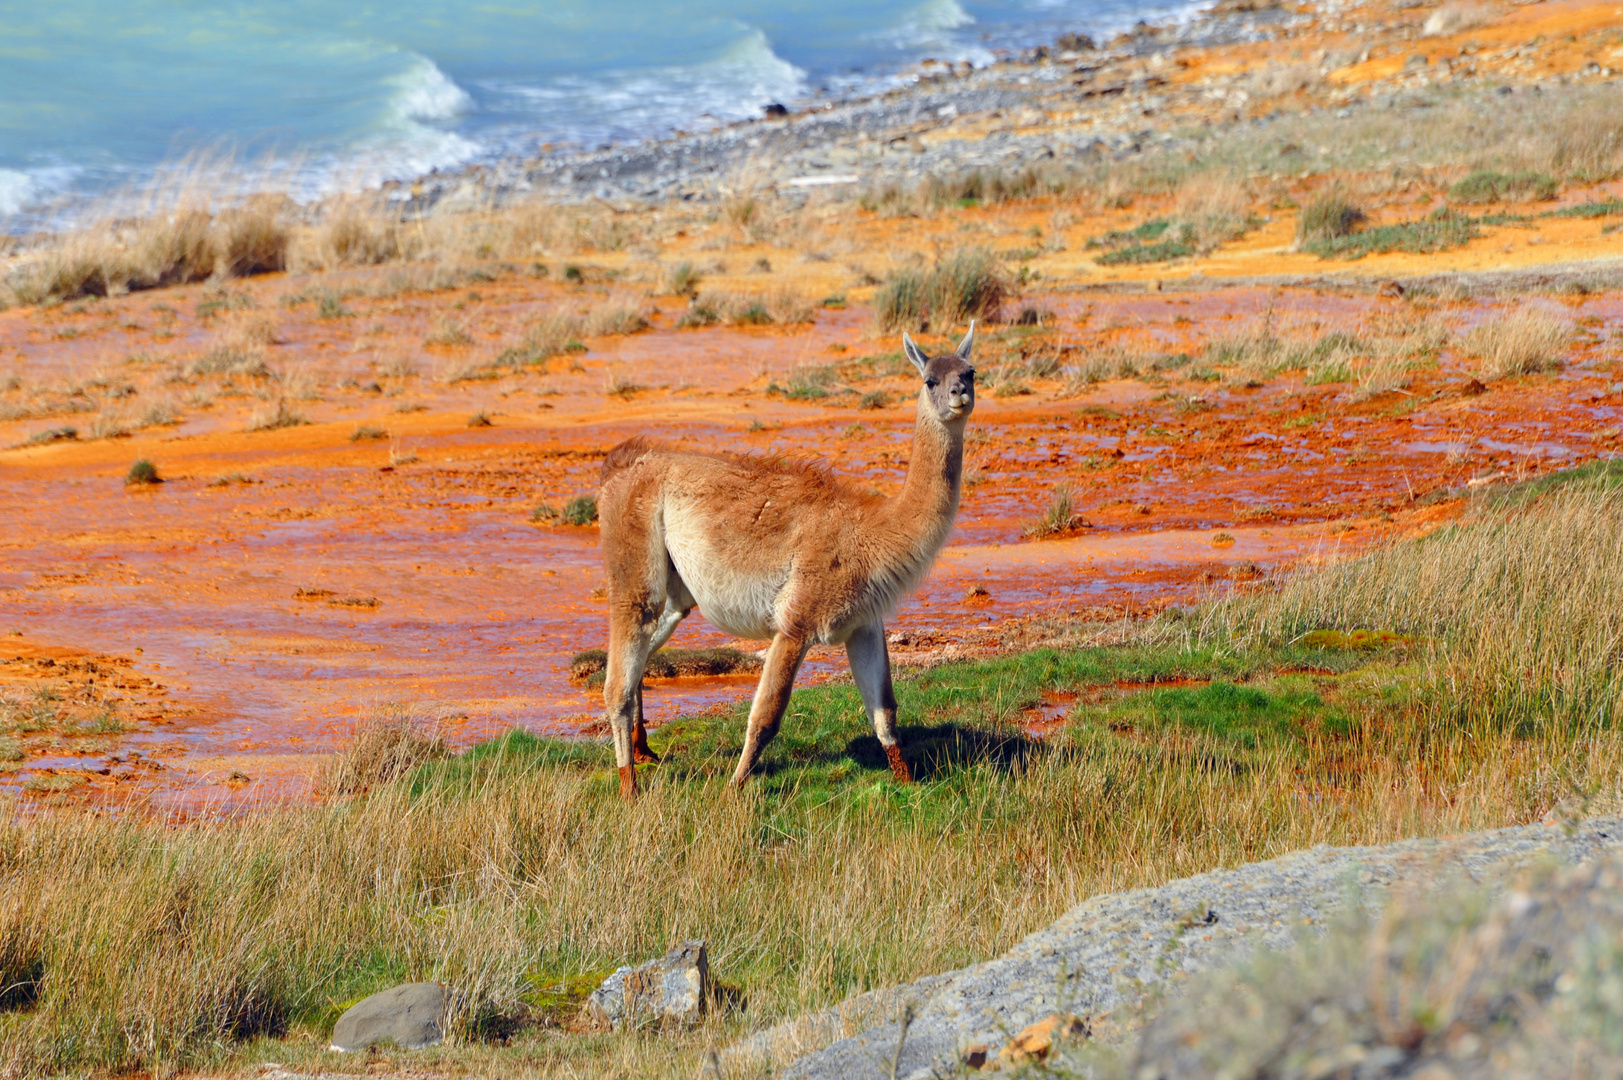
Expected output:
{"points": [[1215, 209], [1060, 515], [275, 417], [354, 230], [782, 306], [254, 238], [1524, 342], [617, 315], [388, 744], [968, 284], [1327, 216]]}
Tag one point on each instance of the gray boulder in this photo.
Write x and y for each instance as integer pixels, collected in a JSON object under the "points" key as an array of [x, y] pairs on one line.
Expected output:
{"points": [[671, 990], [410, 1016]]}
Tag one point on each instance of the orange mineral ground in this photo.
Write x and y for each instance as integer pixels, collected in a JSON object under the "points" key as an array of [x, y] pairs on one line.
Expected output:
{"points": [[238, 617], [351, 472]]}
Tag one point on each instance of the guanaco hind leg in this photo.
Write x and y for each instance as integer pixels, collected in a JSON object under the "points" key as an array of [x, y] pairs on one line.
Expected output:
{"points": [[678, 603], [870, 667]]}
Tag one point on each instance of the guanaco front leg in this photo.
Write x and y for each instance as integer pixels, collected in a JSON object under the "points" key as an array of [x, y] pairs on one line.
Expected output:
{"points": [[629, 642], [783, 659], [870, 667]]}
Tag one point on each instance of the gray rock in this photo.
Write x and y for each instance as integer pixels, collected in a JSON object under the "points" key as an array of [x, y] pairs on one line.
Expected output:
{"points": [[1106, 952], [410, 1016], [671, 990]]}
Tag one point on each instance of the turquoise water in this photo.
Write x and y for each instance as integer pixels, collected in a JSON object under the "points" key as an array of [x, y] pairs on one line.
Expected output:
{"points": [[97, 94]]}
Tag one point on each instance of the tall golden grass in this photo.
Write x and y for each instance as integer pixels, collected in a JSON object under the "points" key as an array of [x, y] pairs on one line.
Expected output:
{"points": [[1514, 612]]}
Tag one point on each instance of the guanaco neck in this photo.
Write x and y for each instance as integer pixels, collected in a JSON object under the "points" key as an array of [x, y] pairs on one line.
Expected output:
{"points": [[921, 515]]}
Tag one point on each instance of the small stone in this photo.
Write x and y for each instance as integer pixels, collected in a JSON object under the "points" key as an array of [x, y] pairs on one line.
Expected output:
{"points": [[1037, 1041], [410, 1016], [669, 990]]}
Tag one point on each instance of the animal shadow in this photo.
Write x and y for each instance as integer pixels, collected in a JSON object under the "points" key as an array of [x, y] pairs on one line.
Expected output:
{"points": [[939, 749]]}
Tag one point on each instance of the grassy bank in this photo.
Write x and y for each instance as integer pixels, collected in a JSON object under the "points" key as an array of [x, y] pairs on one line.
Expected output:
{"points": [[1462, 681]]}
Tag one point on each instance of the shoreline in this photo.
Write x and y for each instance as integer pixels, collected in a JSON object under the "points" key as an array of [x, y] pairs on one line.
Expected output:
{"points": [[816, 148], [704, 165]]}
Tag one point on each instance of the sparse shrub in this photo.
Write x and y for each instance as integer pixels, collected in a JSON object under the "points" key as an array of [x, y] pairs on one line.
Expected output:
{"points": [[142, 472], [783, 306], [545, 339], [1327, 216], [228, 359], [1212, 210], [479, 419], [809, 382], [175, 248], [330, 305], [449, 333], [581, 510], [1524, 342], [1059, 516], [51, 435], [253, 238], [110, 423], [272, 418], [683, 279], [367, 433], [1277, 80], [1487, 186], [969, 284], [874, 399], [620, 315], [353, 231], [388, 744], [1153, 241], [619, 383]]}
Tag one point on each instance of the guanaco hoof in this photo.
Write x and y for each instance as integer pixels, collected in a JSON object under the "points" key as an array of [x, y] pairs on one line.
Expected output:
{"points": [[898, 765]]}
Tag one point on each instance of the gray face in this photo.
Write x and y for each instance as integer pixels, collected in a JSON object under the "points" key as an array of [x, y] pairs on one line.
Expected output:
{"points": [[949, 380]]}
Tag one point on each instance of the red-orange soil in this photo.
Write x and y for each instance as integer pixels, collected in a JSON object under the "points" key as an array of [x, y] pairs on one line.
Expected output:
{"points": [[185, 597]]}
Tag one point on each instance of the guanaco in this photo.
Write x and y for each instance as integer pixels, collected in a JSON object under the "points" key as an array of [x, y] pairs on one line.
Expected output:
{"points": [[769, 550]]}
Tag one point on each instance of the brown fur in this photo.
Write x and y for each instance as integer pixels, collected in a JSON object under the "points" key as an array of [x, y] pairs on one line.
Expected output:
{"points": [[777, 549]]}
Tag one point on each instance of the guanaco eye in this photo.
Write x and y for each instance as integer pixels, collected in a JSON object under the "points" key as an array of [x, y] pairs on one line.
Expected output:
{"points": [[931, 383]]}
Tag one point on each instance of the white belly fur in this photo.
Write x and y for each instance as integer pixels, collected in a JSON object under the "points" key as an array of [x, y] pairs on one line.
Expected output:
{"points": [[743, 603]]}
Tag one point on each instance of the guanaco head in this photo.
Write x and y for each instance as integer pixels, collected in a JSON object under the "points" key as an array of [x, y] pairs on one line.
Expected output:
{"points": [[949, 381]]}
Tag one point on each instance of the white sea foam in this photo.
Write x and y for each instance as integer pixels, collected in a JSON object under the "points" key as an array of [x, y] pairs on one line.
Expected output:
{"points": [[23, 190], [408, 142], [940, 15], [624, 105], [934, 30], [424, 92]]}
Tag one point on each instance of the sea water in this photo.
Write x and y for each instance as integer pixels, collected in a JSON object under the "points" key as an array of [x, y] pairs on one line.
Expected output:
{"points": [[97, 95]]}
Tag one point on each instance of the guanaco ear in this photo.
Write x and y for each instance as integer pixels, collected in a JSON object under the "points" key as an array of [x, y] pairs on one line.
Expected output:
{"points": [[914, 353], [968, 343]]}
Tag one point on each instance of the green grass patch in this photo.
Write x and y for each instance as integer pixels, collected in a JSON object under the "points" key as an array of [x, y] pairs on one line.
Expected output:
{"points": [[1440, 230], [1609, 208], [1153, 241], [1488, 186], [1606, 473], [962, 724]]}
